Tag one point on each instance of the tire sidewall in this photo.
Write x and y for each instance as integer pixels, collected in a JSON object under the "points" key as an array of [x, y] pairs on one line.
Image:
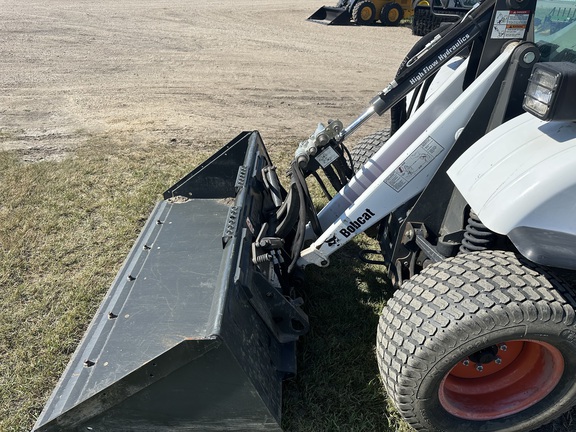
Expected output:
{"points": [[384, 18], [368, 146], [563, 395], [357, 12]]}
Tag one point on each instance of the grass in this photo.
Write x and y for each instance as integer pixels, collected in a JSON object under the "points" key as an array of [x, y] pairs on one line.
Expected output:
{"points": [[67, 227], [337, 387]]}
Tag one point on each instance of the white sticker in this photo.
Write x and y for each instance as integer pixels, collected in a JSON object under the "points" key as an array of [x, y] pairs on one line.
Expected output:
{"points": [[327, 156], [413, 164], [510, 24]]}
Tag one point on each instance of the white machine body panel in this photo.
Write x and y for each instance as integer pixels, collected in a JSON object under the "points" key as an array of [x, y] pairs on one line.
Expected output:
{"points": [[522, 174]]}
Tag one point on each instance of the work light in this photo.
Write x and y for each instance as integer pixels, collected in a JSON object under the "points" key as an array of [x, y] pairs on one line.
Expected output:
{"points": [[551, 91]]}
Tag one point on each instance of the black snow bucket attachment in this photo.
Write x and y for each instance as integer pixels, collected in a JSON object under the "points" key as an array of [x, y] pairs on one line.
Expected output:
{"points": [[330, 16], [191, 336]]}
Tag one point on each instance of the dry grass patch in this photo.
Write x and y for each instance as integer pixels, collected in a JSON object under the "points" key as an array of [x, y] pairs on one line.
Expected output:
{"points": [[66, 228]]}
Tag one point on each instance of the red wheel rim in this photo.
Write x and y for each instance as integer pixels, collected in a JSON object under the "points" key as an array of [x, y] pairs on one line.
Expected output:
{"points": [[518, 375]]}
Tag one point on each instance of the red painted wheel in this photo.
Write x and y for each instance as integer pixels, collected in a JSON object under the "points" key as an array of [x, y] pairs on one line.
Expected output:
{"points": [[480, 342], [501, 380]]}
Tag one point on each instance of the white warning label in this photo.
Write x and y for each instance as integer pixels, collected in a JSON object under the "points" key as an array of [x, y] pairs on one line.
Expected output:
{"points": [[510, 24], [327, 156], [413, 164]]}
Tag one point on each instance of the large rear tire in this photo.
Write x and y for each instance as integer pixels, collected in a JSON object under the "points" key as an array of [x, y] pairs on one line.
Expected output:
{"points": [[480, 342], [367, 146], [423, 21]]}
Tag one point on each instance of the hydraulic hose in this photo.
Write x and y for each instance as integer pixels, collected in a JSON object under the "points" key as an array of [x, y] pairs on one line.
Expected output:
{"points": [[301, 225], [306, 212], [307, 201], [287, 214]]}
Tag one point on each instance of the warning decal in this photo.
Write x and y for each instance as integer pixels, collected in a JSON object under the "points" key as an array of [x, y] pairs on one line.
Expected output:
{"points": [[510, 24], [413, 164]]}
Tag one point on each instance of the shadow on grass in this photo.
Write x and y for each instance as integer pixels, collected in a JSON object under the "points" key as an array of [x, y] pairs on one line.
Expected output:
{"points": [[338, 386]]}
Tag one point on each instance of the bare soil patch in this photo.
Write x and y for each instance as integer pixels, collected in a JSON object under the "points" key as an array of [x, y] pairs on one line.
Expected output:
{"points": [[187, 71]]}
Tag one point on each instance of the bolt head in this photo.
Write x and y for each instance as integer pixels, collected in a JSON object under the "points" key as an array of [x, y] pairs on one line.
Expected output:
{"points": [[529, 57], [323, 139], [479, 368], [503, 347], [498, 360], [466, 362]]}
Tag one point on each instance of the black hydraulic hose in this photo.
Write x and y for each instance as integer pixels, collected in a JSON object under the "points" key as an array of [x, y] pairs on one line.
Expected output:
{"points": [[306, 212], [341, 169], [349, 156], [332, 177], [287, 214], [322, 185], [310, 210], [301, 226], [413, 101], [425, 88]]}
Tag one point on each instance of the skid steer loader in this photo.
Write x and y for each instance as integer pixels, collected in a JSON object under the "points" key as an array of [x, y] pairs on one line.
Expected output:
{"points": [[472, 191], [391, 13], [364, 12]]}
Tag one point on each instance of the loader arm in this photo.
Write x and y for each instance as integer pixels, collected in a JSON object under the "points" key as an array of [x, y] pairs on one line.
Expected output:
{"points": [[402, 168], [392, 181]]}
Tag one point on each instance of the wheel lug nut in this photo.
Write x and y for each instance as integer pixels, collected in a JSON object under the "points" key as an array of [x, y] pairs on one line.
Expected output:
{"points": [[466, 362], [479, 368], [503, 347], [498, 360]]}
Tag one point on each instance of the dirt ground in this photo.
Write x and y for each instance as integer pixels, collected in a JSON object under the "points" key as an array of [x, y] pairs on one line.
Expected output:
{"points": [[193, 70]]}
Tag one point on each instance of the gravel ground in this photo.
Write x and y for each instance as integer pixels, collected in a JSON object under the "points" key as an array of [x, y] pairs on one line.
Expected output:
{"points": [[196, 70]]}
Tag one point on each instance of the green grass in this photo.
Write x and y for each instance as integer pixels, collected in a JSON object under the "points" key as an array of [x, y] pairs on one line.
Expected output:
{"points": [[67, 227], [338, 387]]}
